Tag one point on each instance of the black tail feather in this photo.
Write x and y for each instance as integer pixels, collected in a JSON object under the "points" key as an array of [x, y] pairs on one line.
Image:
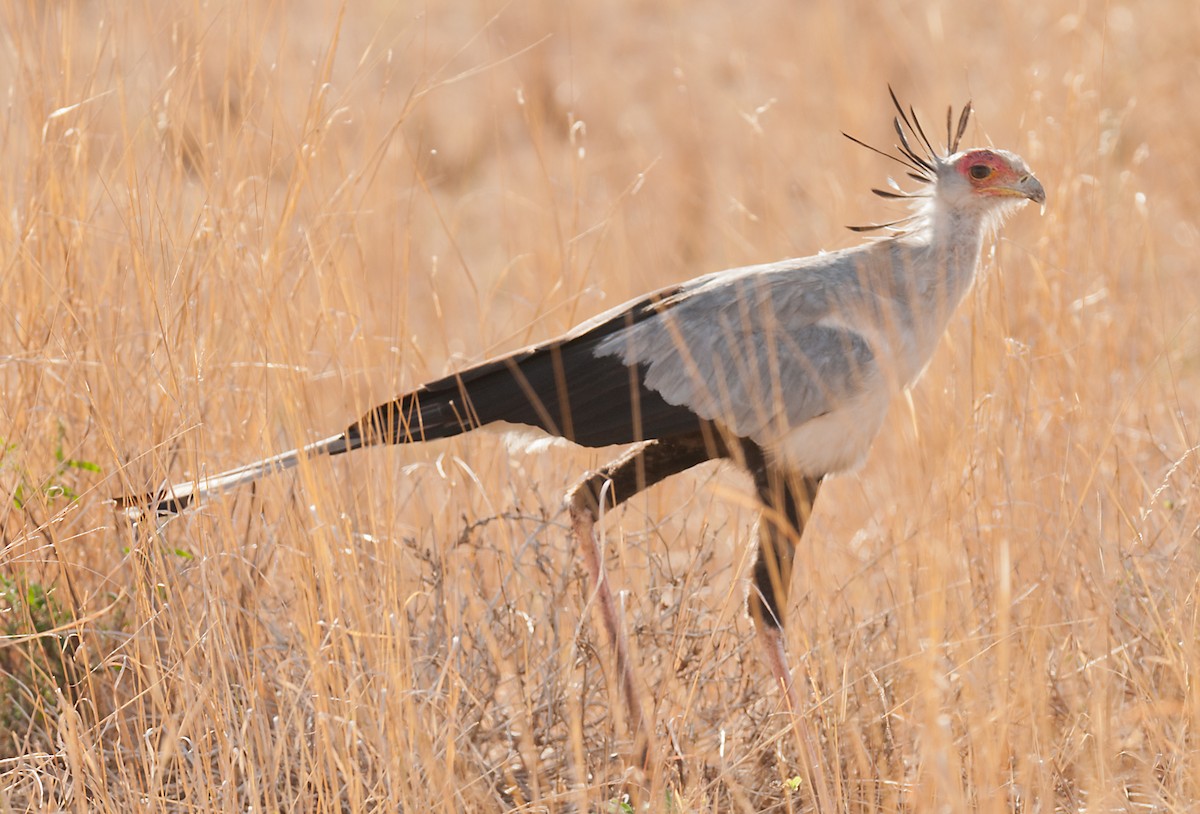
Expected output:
{"points": [[563, 388]]}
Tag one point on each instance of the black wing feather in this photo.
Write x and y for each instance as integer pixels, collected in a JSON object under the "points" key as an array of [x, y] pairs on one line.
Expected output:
{"points": [[561, 387]]}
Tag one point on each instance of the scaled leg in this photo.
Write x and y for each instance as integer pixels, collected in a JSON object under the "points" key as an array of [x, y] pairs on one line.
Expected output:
{"points": [[787, 505], [641, 467]]}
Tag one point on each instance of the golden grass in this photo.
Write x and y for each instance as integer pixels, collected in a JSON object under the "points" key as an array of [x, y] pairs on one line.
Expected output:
{"points": [[229, 228]]}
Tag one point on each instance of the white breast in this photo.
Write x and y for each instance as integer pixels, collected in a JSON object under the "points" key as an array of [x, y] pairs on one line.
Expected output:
{"points": [[837, 441]]}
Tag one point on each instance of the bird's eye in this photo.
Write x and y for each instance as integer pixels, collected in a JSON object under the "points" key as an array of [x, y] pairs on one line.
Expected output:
{"points": [[980, 171]]}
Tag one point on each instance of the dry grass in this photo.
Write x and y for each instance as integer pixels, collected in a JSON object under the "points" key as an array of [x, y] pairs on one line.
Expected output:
{"points": [[229, 228]]}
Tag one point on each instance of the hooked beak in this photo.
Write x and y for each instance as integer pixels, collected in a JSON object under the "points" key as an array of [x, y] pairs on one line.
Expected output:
{"points": [[1032, 189], [1024, 187]]}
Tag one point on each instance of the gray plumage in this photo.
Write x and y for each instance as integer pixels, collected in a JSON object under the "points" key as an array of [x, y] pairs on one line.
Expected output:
{"points": [[767, 350], [786, 368], [799, 356]]}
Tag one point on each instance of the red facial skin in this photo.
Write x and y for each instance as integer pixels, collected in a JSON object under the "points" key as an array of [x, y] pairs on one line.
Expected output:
{"points": [[990, 173]]}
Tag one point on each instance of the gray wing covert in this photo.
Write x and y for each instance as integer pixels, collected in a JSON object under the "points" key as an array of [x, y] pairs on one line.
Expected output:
{"points": [[756, 354]]}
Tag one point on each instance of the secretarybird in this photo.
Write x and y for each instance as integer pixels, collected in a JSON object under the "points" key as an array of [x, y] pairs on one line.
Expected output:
{"points": [[786, 369]]}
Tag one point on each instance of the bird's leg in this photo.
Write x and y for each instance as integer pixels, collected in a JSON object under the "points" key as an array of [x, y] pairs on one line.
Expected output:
{"points": [[787, 505], [641, 467]]}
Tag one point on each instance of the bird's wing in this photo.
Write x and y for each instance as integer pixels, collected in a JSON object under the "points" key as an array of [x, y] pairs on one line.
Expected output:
{"points": [[761, 349], [563, 387]]}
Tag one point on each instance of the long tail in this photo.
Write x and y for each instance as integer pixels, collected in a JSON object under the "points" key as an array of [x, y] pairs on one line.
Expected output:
{"points": [[562, 388], [179, 496]]}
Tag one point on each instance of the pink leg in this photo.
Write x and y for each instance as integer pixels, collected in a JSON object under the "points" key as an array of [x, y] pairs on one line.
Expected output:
{"points": [[583, 530], [642, 466], [776, 655]]}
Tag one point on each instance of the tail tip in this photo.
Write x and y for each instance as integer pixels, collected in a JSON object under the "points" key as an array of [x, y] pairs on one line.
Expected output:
{"points": [[139, 508]]}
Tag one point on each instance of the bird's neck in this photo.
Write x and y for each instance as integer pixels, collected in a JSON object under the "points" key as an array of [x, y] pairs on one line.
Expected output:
{"points": [[954, 239], [938, 267]]}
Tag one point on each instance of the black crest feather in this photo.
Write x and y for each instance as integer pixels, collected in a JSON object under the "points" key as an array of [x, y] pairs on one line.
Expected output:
{"points": [[915, 153]]}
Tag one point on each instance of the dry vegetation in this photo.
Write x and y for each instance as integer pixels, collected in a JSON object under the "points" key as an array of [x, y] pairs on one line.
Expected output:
{"points": [[229, 228]]}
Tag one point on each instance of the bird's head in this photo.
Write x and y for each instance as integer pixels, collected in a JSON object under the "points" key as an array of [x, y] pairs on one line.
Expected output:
{"points": [[987, 179], [979, 183]]}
